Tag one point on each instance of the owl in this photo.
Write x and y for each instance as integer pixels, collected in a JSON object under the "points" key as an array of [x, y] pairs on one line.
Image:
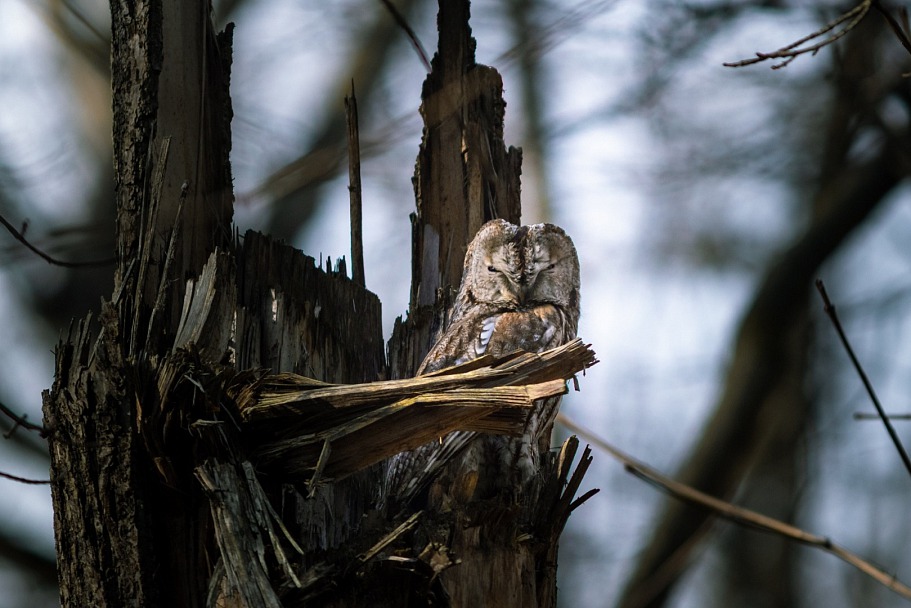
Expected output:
{"points": [[519, 291]]}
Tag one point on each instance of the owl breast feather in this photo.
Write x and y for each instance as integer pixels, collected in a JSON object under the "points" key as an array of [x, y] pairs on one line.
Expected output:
{"points": [[535, 330]]}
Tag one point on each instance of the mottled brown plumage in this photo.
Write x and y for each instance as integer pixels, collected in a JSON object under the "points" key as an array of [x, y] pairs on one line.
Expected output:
{"points": [[519, 291]]}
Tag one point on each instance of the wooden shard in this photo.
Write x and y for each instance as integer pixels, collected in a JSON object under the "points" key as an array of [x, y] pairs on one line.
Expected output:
{"points": [[326, 432]]}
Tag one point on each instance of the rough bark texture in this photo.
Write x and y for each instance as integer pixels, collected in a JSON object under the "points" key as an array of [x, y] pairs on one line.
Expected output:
{"points": [[163, 491], [99, 519], [124, 525], [464, 176], [295, 317]]}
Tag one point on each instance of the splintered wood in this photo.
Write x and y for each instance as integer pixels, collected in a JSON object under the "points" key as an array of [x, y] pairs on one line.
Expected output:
{"points": [[303, 427]]}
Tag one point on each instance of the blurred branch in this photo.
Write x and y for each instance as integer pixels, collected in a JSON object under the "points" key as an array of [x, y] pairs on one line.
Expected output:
{"points": [[37, 482], [866, 416], [90, 44], [830, 311], [902, 31], [403, 23], [848, 20], [671, 42], [761, 361], [295, 188], [739, 515], [20, 422], [27, 446], [29, 558], [561, 27], [30, 446], [51, 260], [529, 47]]}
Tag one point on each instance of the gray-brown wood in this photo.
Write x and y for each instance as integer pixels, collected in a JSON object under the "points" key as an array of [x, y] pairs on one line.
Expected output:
{"points": [[465, 175], [354, 190], [296, 423], [98, 515], [170, 479], [124, 523]]}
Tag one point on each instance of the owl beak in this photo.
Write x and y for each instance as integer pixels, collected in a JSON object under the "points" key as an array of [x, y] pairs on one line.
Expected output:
{"points": [[518, 288], [522, 289]]}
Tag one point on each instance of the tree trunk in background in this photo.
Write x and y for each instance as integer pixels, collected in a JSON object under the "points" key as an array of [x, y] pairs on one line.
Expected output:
{"points": [[531, 44], [762, 404], [760, 570]]}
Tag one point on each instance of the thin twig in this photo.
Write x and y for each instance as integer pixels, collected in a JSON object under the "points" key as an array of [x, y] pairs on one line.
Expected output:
{"points": [[403, 23], [51, 260], [790, 52], [901, 33], [34, 482], [830, 311], [737, 514], [21, 422], [866, 416]]}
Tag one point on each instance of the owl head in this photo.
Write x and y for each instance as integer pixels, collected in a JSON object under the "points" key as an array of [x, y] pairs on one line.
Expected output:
{"points": [[493, 267], [550, 268], [509, 267]]}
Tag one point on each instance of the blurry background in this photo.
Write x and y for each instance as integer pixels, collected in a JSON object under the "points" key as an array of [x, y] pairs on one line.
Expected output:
{"points": [[681, 181]]}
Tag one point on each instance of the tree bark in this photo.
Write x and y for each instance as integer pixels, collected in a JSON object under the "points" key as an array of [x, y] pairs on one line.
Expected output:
{"points": [[130, 526], [465, 176], [162, 492]]}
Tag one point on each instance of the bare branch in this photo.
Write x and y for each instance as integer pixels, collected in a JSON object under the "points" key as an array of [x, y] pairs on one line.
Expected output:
{"points": [[20, 421], [789, 53], [403, 23], [866, 416], [354, 190], [830, 311], [36, 482], [902, 31], [739, 515], [50, 260]]}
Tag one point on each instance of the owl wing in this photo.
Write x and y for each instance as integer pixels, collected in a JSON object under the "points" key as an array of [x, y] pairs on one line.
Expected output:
{"points": [[536, 330], [464, 340]]}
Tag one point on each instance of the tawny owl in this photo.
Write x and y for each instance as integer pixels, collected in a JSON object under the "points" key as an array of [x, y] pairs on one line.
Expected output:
{"points": [[519, 291]]}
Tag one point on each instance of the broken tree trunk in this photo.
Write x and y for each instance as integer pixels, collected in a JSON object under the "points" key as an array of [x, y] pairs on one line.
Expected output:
{"points": [[127, 531], [202, 451], [465, 175]]}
